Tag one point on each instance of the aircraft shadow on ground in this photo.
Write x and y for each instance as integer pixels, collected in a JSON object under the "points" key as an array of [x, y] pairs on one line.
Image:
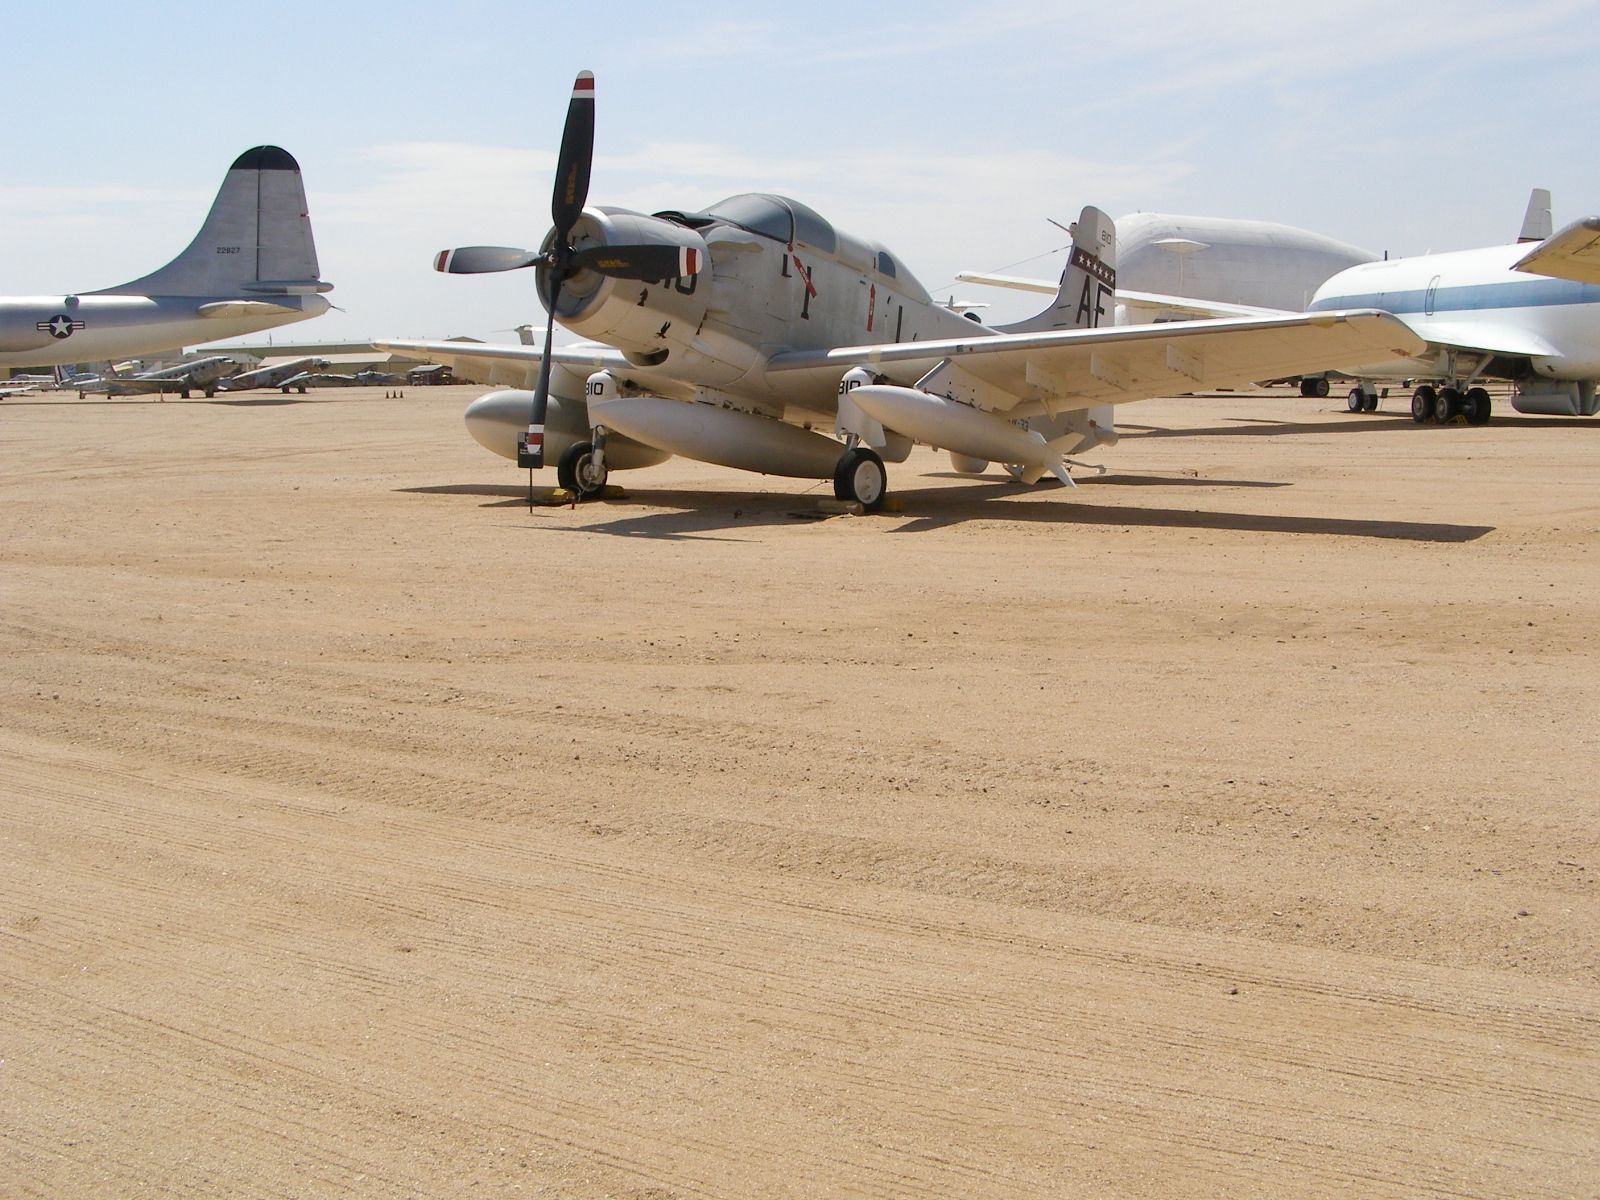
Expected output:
{"points": [[1392, 421], [712, 516], [260, 401]]}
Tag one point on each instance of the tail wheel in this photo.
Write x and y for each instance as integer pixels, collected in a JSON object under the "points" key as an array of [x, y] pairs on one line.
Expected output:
{"points": [[1477, 406], [1422, 402], [860, 477], [579, 473]]}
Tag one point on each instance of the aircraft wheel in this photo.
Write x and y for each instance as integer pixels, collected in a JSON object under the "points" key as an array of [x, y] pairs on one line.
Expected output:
{"points": [[1477, 404], [1371, 404], [860, 477], [1447, 407], [1319, 388], [1422, 402], [1356, 401], [578, 472], [1306, 388], [183, 394]]}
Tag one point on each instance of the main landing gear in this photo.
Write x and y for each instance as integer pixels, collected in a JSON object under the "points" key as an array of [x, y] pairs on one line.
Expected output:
{"points": [[1314, 388], [860, 477], [1450, 405], [1362, 399], [582, 469]]}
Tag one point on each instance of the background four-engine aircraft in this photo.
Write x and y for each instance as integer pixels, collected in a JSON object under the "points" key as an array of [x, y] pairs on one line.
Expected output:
{"points": [[732, 334], [252, 266]]}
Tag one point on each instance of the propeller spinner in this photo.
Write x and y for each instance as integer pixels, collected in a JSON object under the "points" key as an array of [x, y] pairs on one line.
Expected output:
{"points": [[561, 259]]}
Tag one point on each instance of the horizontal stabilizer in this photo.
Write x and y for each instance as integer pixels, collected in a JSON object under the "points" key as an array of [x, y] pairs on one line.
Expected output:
{"points": [[243, 308], [1015, 282]]}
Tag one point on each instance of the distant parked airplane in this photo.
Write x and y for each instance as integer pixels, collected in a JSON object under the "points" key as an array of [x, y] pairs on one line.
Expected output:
{"points": [[278, 375], [202, 373]]}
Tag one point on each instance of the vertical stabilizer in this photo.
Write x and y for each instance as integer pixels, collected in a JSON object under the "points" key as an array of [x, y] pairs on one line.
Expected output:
{"points": [[255, 241], [1087, 294], [1536, 225]]}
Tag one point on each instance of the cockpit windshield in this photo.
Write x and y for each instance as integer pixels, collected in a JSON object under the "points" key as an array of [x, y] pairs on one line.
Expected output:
{"points": [[788, 221], [777, 217]]}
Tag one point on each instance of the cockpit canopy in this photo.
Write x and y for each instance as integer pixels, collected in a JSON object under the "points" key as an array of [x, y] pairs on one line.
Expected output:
{"points": [[790, 222]]}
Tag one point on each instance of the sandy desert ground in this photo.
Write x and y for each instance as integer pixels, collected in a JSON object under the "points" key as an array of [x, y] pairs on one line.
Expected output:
{"points": [[1228, 826]]}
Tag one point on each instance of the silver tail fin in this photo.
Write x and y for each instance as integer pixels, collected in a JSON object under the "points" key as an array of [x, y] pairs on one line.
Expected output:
{"points": [[1087, 295], [255, 241], [1536, 221]]}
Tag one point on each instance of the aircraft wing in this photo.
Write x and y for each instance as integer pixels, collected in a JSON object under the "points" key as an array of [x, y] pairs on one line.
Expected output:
{"points": [[1572, 253], [1081, 368], [1483, 336], [486, 362]]}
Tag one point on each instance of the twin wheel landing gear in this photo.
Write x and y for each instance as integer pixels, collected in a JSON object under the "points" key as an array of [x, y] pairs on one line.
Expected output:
{"points": [[860, 477], [1448, 405], [1361, 400]]}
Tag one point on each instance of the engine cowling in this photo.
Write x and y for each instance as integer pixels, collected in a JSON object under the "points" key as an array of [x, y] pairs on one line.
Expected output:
{"points": [[640, 318]]}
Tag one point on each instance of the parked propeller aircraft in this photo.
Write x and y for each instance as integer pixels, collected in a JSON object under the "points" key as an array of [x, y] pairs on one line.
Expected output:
{"points": [[252, 266], [204, 374], [1525, 313], [277, 375], [733, 334], [322, 379]]}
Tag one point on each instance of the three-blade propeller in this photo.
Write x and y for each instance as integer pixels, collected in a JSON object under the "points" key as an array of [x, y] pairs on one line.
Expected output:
{"points": [[562, 260]]}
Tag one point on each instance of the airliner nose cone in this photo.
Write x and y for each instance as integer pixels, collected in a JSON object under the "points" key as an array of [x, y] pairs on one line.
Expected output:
{"points": [[495, 420]]}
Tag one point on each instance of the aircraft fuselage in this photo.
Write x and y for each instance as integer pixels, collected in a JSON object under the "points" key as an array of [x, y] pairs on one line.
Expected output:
{"points": [[53, 330], [1536, 325]]}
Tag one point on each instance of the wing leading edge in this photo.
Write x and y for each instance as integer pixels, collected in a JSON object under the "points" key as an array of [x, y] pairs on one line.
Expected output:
{"points": [[1572, 253]]}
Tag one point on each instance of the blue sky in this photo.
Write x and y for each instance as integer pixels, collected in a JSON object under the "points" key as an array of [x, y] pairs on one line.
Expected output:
{"points": [[949, 131]]}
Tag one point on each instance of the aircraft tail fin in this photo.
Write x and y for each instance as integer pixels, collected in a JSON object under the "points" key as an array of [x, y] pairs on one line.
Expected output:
{"points": [[256, 240], [1087, 294], [1536, 224]]}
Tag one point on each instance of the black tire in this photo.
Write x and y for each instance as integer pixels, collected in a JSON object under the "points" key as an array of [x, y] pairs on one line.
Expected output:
{"points": [[1356, 401], [1448, 406], [1371, 404], [860, 477], [1320, 388], [1307, 388], [1477, 406], [182, 395], [576, 473], [1422, 402]]}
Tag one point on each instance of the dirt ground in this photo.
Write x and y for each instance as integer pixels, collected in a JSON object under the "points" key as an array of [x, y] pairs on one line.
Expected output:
{"points": [[1227, 826]]}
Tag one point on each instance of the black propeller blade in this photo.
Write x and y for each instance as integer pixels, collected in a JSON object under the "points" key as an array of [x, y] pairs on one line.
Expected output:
{"points": [[479, 260], [640, 262], [566, 206]]}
